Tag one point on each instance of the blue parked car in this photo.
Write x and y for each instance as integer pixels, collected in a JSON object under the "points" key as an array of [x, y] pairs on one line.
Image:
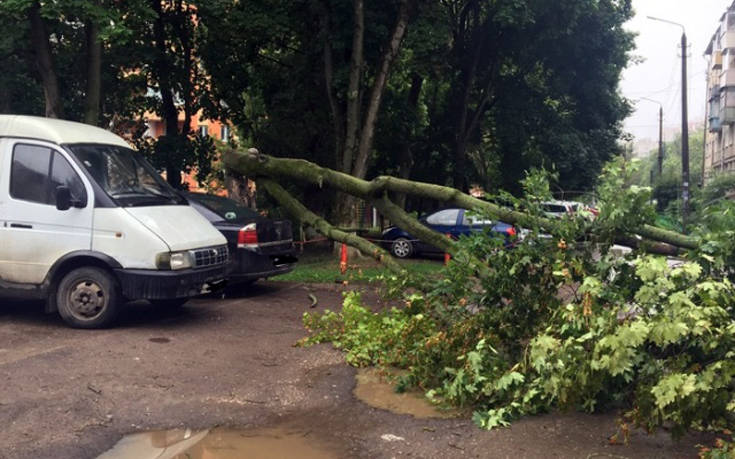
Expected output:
{"points": [[455, 222]]}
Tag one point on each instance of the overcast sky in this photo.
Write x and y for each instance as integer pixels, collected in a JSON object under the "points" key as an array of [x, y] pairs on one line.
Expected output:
{"points": [[658, 77]]}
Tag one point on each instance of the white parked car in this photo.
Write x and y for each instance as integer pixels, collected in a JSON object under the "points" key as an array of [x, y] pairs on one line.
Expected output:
{"points": [[86, 224], [558, 209]]}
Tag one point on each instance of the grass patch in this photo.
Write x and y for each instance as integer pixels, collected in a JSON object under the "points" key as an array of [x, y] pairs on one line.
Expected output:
{"points": [[320, 268]]}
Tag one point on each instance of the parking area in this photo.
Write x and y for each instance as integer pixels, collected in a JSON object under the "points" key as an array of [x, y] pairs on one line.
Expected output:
{"points": [[230, 362]]}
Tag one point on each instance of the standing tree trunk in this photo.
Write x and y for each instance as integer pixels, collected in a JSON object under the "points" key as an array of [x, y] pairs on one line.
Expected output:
{"points": [[353, 91], [405, 162], [162, 69], [467, 77], [359, 131], [185, 34], [376, 93], [94, 74], [44, 62], [338, 123]]}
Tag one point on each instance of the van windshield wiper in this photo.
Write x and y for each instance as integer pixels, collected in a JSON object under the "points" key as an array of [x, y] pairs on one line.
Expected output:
{"points": [[145, 195]]}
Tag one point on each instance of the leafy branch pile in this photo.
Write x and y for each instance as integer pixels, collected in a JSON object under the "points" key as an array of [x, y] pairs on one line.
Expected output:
{"points": [[560, 323]]}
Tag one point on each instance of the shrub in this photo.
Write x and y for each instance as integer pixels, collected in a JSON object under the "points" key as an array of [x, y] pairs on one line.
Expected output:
{"points": [[559, 323]]}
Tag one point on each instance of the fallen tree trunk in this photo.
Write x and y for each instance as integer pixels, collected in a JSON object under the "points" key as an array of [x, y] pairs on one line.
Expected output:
{"points": [[657, 248], [295, 208], [252, 163], [413, 226]]}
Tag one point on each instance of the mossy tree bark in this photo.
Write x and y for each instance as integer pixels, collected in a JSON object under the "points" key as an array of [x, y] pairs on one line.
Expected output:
{"points": [[255, 164], [294, 207]]}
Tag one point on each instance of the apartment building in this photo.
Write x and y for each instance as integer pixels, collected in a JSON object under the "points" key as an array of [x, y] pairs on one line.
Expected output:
{"points": [[720, 117]]}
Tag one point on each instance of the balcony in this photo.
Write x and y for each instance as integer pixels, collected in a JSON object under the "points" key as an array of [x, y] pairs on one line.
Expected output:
{"points": [[714, 124], [728, 153], [727, 115], [727, 78], [728, 39], [717, 60]]}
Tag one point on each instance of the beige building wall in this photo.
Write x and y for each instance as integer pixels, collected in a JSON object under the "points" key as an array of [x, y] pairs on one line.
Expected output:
{"points": [[719, 153]]}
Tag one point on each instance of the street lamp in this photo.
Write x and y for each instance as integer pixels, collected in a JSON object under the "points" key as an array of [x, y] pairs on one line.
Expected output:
{"points": [[660, 133], [684, 123]]}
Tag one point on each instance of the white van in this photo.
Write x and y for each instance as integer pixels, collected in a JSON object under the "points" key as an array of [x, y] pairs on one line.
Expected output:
{"points": [[87, 224]]}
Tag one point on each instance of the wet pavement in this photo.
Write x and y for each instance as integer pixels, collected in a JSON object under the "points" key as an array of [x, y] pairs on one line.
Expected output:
{"points": [[226, 370], [219, 443]]}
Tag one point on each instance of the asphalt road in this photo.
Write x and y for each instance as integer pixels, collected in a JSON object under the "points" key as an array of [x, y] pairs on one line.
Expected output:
{"points": [[231, 363]]}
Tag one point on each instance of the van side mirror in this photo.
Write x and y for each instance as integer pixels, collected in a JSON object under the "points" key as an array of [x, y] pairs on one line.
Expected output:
{"points": [[63, 198]]}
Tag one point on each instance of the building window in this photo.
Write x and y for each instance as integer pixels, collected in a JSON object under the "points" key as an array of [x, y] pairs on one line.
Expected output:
{"points": [[203, 131], [225, 133]]}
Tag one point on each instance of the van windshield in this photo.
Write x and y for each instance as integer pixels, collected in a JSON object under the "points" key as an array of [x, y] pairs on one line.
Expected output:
{"points": [[126, 176]]}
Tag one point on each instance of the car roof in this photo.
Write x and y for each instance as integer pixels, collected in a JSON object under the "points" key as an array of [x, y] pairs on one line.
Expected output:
{"points": [[562, 203], [56, 131]]}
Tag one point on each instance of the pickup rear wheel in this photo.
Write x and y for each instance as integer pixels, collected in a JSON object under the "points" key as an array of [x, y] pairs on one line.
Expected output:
{"points": [[88, 298]]}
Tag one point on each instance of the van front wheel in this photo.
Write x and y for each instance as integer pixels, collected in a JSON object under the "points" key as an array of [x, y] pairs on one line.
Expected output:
{"points": [[88, 298]]}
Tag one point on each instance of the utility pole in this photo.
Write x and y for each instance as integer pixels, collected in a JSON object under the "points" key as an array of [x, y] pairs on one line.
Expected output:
{"points": [[660, 140], [684, 124], [684, 133], [660, 162]]}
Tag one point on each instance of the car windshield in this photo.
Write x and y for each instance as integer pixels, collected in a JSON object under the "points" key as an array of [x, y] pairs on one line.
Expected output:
{"points": [[125, 176], [227, 209], [554, 208]]}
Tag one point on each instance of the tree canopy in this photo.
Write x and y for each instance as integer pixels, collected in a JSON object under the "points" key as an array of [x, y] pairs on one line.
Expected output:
{"points": [[454, 92]]}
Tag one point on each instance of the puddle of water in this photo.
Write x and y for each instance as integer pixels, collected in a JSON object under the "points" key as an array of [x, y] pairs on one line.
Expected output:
{"points": [[373, 389], [219, 443], [160, 340]]}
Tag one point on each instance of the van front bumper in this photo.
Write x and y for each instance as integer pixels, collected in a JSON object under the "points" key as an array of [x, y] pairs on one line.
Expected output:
{"points": [[145, 284]]}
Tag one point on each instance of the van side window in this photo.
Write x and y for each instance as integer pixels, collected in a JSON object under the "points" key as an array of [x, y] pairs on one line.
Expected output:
{"points": [[29, 173], [62, 174]]}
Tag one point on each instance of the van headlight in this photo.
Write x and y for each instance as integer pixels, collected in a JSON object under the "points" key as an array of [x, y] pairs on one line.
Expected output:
{"points": [[174, 260]]}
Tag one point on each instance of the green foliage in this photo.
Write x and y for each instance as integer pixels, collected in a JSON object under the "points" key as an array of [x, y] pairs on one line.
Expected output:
{"points": [[623, 206], [480, 96], [716, 226], [560, 323], [325, 269], [520, 68], [717, 188], [122, 30], [722, 449], [667, 186], [387, 338]]}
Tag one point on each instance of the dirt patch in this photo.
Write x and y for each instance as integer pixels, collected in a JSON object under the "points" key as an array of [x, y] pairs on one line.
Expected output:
{"points": [[231, 363], [218, 443]]}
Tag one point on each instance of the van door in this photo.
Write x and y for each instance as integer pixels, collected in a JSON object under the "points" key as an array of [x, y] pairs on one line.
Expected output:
{"points": [[34, 233]]}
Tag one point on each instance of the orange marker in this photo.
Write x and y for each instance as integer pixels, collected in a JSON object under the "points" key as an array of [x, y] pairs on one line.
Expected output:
{"points": [[343, 259], [447, 257]]}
